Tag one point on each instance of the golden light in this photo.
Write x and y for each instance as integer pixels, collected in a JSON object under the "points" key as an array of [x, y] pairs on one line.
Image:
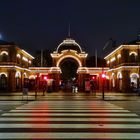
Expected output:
{"points": [[4, 52], [68, 56]]}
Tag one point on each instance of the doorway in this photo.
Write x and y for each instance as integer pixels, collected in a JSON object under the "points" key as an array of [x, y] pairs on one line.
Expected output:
{"points": [[69, 68]]}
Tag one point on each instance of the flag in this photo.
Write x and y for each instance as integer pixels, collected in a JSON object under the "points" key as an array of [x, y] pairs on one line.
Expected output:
{"points": [[111, 43]]}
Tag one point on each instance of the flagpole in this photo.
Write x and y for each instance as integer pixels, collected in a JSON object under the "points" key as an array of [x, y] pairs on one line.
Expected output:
{"points": [[69, 31], [102, 75], [41, 58], [96, 61]]}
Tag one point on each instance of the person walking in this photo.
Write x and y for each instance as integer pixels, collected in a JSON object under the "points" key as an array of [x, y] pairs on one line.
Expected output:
{"points": [[92, 87], [44, 89], [36, 90]]}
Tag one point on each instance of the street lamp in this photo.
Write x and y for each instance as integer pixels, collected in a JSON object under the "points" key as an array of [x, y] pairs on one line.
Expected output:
{"points": [[103, 83], [110, 43]]}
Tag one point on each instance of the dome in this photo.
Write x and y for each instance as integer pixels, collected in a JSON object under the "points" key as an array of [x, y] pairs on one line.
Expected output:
{"points": [[69, 44]]}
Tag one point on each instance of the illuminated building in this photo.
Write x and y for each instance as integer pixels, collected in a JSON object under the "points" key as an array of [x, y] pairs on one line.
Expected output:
{"points": [[69, 50], [16, 71], [124, 67], [14, 67]]}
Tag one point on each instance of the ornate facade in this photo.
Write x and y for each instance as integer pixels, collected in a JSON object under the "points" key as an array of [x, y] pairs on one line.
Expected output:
{"points": [[68, 50], [124, 67], [16, 69]]}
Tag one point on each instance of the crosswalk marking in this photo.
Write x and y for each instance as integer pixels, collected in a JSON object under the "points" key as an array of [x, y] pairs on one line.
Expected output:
{"points": [[69, 120], [73, 126], [65, 110], [24, 119], [11, 102], [71, 108], [65, 114], [132, 136]]}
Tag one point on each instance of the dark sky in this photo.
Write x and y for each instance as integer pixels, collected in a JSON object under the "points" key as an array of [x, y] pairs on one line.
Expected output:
{"points": [[36, 24]]}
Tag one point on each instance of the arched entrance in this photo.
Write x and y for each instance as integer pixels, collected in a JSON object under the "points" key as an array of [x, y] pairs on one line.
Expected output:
{"points": [[134, 79], [68, 75], [69, 69], [3, 81], [18, 79], [69, 61], [119, 78]]}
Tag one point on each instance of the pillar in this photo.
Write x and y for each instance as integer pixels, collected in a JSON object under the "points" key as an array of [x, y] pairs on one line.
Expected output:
{"points": [[81, 81], [12, 81], [56, 78], [126, 81]]}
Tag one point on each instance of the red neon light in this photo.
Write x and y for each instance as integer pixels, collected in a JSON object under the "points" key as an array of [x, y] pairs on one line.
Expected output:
{"points": [[103, 75], [45, 78], [93, 77]]}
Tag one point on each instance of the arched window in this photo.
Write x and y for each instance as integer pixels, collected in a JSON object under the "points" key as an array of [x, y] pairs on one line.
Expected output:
{"points": [[32, 81], [134, 79], [119, 79], [3, 81], [119, 58], [113, 80], [18, 58], [26, 80], [4, 56], [25, 75], [17, 76], [132, 56], [119, 75], [32, 76]]}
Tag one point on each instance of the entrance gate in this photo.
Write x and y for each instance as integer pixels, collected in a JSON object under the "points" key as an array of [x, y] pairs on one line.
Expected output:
{"points": [[69, 64], [69, 55]]}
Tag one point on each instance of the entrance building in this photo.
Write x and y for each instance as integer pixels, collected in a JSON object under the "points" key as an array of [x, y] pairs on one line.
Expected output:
{"points": [[69, 66]]}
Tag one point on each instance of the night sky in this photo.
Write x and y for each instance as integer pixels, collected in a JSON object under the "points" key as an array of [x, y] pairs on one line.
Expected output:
{"points": [[43, 24]]}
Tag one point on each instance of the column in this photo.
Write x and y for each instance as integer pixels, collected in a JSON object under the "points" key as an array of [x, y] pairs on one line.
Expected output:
{"points": [[12, 81], [126, 81]]}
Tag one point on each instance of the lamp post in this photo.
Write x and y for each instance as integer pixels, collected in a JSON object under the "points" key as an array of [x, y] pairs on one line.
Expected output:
{"points": [[103, 83], [103, 76], [110, 43], [103, 94]]}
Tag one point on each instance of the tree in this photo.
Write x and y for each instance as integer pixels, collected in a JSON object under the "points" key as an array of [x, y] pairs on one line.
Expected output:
{"points": [[90, 62], [46, 56]]}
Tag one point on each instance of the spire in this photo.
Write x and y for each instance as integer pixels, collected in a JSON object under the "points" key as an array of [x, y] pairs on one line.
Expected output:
{"points": [[96, 58], [41, 57], [69, 31]]}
